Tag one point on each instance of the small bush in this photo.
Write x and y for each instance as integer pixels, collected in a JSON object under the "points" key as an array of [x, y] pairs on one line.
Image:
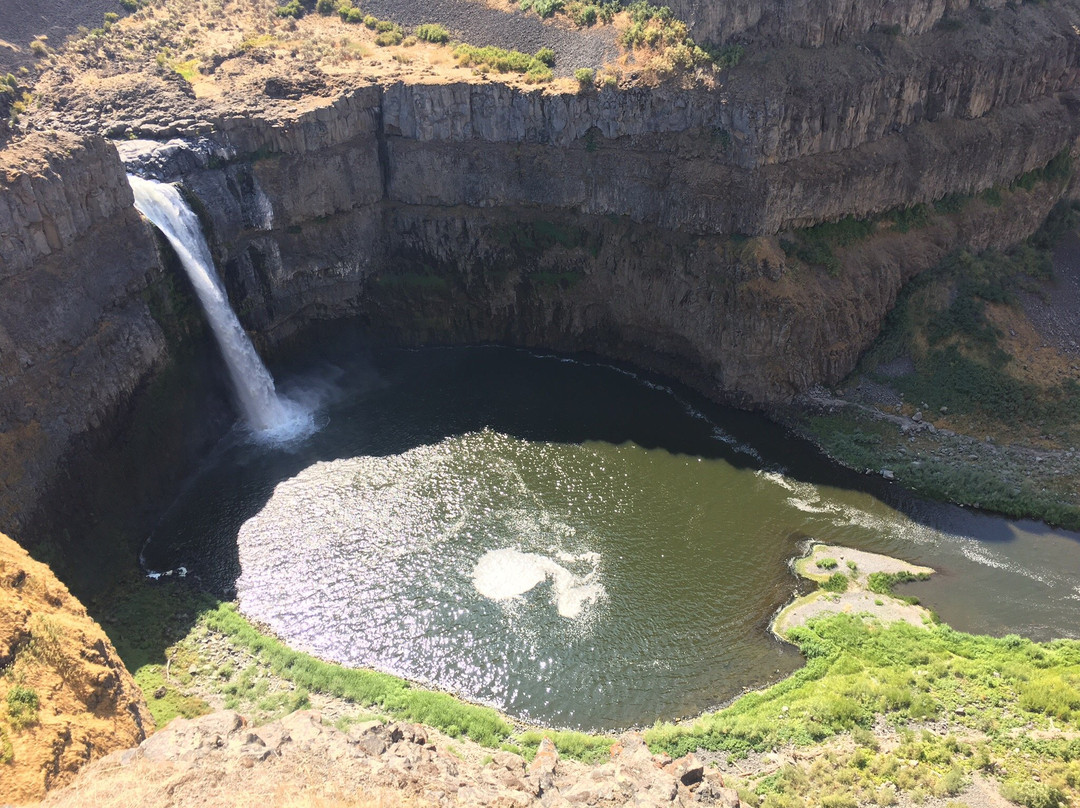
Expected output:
{"points": [[130, 5], [432, 32], [22, 705], [838, 582], [826, 563], [545, 55], [583, 14], [39, 48], [585, 77], [291, 9], [371, 21], [502, 61], [326, 7], [1033, 795], [351, 15], [545, 8], [387, 38]]}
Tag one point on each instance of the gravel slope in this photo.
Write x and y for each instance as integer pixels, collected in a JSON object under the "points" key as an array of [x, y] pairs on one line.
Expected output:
{"points": [[22, 20], [479, 24]]}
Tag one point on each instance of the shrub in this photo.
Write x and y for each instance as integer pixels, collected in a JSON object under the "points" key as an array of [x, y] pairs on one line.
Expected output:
{"points": [[387, 38], [585, 77], [583, 14], [291, 9], [545, 55], [22, 705], [432, 32], [130, 5], [502, 61], [351, 15], [826, 563], [1033, 795], [545, 8], [326, 7], [837, 582], [39, 48], [371, 21]]}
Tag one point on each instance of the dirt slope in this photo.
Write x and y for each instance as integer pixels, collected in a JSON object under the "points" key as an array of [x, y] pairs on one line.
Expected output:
{"points": [[65, 696]]}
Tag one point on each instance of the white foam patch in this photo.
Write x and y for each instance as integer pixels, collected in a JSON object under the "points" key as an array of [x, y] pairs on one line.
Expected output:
{"points": [[507, 574]]}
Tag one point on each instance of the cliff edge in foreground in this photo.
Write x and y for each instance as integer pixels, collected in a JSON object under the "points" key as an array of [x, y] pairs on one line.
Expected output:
{"points": [[65, 696]]}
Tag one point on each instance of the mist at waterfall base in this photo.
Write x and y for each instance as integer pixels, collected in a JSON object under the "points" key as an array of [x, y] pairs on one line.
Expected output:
{"points": [[572, 543], [270, 417]]}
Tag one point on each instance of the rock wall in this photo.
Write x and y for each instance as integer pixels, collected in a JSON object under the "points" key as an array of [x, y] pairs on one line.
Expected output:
{"points": [[73, 699], [611, 221], [91, 325], [76, 332]]}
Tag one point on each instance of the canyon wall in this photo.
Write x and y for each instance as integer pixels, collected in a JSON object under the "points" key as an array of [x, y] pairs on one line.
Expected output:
{"points": [[91, 324], [641, 223]]}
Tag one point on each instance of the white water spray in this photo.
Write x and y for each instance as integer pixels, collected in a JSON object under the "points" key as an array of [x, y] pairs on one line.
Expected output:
{"points": [[270, 416]]}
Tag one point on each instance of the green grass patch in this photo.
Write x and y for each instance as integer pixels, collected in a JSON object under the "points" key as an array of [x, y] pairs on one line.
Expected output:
{"points": [[882, 583], [388, 693], [576, 745], [858, 669], [837, 582]]}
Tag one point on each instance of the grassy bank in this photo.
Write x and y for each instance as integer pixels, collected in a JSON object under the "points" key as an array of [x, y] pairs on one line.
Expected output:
{"points": [[191, 653], [880, 712]]}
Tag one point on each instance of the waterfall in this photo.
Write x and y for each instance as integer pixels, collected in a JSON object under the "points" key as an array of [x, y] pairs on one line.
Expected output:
{"points": [[269, 415]]}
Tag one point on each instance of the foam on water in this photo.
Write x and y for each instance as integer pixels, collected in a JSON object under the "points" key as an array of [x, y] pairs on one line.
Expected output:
{"points": [[506, 574]]}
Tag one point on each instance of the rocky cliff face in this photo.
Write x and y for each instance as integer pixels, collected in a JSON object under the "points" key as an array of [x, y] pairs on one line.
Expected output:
{"points": [[76, 332], [90, 320], [644, 223], [67, 698]]}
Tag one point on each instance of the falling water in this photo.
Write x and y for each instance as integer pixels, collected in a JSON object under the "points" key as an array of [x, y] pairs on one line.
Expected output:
{"points": [[269, 415]]}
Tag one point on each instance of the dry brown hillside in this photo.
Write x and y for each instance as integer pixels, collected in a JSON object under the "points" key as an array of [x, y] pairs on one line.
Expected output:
{"points": [[65, 696]]}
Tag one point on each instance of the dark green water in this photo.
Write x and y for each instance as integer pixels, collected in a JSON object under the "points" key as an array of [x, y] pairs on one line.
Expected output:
{"points": [[572, 543]]}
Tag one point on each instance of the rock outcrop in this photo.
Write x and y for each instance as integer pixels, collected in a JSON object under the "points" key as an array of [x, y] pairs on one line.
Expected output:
{"points": [[65, 696], [220, 760]]}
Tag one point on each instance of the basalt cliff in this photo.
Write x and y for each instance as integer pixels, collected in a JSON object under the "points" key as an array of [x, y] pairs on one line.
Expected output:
{"points": [[651, 224]]}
